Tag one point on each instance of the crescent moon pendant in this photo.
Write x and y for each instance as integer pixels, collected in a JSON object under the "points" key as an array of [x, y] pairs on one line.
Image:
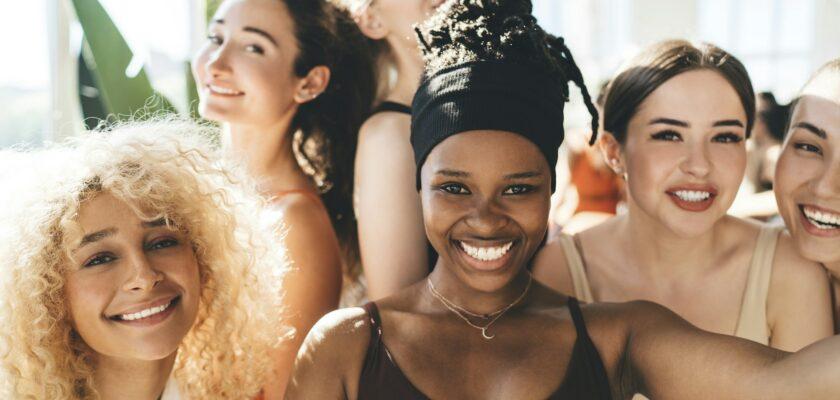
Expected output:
{"points": [[484, 334]]}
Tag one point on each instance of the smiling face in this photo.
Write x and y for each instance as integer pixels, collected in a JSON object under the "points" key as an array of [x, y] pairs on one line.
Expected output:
{"points": [[485, 197], [808, 172], [132, 285], [244, 71], [684, 154]]}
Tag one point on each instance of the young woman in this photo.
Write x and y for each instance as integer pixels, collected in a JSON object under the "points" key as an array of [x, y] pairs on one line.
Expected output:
{"points": [[393, 246], [291, 91], [485, 137], [808, 174], [134, 266], [676, 120]]}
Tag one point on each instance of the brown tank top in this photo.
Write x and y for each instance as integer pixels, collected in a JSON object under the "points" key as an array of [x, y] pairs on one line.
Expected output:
{"points": [[381, 378]]}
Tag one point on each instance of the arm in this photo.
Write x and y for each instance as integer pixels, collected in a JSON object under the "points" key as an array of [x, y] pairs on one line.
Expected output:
{"points": [[328, 363], [668, 358], [392, 239], [799, 302], [312, 286]]}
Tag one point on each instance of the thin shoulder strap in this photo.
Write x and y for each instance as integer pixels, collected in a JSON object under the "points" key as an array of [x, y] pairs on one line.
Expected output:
{"points": [[375, 322], [752, 323], [574, 262], [577, 317], [390, 106]]}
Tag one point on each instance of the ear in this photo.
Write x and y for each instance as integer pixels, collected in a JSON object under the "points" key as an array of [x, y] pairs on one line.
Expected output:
{"points": [[613, 153], [371, 24], [313, 84]]}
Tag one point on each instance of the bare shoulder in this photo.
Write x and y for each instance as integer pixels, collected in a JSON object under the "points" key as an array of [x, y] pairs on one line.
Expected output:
{"points": [[341, 333], [551, 268], [384, 127], [795, 275]]}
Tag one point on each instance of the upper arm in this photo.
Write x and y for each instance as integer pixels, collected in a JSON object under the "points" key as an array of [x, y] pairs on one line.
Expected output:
{"points": [[312, 286], [551, 269], [392, 239], [330, 360], [799, 302]]}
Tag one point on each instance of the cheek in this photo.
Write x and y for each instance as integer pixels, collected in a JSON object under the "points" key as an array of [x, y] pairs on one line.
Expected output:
{"points": [[731, 162], [648, 171], [87, 299], [793, 172]]}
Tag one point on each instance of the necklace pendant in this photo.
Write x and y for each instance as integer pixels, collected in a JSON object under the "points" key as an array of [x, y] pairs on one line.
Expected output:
{"points": [[484, 334]]}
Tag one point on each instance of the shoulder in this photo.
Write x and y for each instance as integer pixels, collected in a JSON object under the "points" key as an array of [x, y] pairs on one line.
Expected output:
{"points": [[385, 126], [341, 336], [551, 268], [298, 209], [792, 272]]}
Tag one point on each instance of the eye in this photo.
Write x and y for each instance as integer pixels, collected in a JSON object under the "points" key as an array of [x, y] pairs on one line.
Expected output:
{"points": [[162, 244], [518, 189], [454, 188], [807, 147], [668, 135], [215, 39], [727, 138], [100, 259], [254, 49]]}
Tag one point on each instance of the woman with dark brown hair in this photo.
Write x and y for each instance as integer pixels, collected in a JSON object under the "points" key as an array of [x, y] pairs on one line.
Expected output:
{"points": [[291, 89], [676, 119]]}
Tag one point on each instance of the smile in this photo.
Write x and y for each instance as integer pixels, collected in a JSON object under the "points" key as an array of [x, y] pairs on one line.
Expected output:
{"points": [[694, 199], [486, 253], [821, 219], [223, 91], [148, 313], [694, 196]]}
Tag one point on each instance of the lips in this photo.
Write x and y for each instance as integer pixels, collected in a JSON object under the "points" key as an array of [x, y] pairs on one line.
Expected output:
{"points": [[220, 90], [819, 221], [485, 255], [149, 313], [692, 198]]}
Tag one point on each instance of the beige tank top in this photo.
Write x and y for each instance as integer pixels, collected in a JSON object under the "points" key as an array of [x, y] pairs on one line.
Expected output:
{"points": [[752, 321]]}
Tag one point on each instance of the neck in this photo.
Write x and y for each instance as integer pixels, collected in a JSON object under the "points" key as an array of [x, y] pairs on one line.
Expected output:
{"points": [[657, 253], [833, 269], [456, 291], [131, 379], [266, 152], [409, 67]]}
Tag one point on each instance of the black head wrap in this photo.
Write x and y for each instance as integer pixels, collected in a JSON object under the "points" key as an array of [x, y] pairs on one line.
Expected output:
{"points": [[488, 95]]}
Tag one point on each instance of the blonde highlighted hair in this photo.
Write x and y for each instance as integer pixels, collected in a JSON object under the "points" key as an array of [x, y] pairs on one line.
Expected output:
{"points": [[168, 169]]}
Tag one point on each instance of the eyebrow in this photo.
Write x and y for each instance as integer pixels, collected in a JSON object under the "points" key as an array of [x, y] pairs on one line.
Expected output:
{"points": [[96, 236], [811, 128], [154, 224], [452, 173], [261, 33], [668, 121], [523, 175], [729, 122]]}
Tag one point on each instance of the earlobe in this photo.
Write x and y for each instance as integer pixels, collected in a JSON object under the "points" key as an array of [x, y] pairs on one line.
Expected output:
{"points": [[311, 86], [611, 150]]}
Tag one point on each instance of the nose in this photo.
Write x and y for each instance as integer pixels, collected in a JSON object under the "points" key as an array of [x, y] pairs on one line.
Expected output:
{"points": [[827, 186], [217, 63], [487, 218], [696, 162], [142, 276]]}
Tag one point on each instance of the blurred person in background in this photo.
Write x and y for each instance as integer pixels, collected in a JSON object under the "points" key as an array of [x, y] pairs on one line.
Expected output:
{"points": [[393, 245], [291, 88]]}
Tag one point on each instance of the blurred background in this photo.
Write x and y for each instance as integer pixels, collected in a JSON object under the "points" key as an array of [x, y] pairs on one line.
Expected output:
{"points": [[67, 58]]}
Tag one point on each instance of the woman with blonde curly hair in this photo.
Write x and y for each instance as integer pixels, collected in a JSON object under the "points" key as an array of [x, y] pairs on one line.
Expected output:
{"points": [[134, 266]]}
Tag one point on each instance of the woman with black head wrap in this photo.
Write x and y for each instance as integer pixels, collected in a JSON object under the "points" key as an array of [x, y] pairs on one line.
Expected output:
{"points": [[487, 124]]}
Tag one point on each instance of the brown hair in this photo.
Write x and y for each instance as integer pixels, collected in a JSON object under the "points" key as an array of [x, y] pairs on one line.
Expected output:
{"points": [[661, 62]]}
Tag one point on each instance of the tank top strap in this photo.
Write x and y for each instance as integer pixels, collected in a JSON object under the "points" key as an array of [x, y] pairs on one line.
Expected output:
{"points": [[375, 322], [577, 269], [577, 318], [391, 106], [752, 323]]}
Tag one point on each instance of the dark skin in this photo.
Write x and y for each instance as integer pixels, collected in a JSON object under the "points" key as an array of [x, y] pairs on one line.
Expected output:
{"points": [[487, 188]]}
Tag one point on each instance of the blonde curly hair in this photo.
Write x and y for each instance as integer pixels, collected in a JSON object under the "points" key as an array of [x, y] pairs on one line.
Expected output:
{"points": [[168, 169]]}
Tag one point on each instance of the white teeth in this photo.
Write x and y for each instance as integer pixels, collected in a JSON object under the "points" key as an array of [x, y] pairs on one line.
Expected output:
{"points": [[692, 195], [486, 253], [821, 219], [221, 90], [145, 313]]}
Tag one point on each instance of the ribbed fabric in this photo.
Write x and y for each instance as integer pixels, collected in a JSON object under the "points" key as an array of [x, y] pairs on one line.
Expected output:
{"points": [[382, 378], [488, 95]]}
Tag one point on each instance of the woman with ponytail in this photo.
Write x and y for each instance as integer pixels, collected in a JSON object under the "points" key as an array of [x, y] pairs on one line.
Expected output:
{"points": [[291, 88]]}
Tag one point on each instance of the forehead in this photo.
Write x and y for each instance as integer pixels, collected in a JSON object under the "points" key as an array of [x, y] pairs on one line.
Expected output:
{"points": [[269, 15], [487, 151], [694, 96], [822, 112]]}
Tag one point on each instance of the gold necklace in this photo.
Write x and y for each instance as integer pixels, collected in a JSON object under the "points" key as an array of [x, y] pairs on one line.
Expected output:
{"points": [[460, 311]]}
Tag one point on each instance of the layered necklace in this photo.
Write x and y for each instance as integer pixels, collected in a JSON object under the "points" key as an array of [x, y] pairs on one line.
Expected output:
{"points": [[464, 314]]}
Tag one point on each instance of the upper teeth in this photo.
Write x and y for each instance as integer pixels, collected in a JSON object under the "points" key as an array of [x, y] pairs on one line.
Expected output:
{"points": [[222, 90], [145, 313], [692, 195], [822, 219], [486, 253]]}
